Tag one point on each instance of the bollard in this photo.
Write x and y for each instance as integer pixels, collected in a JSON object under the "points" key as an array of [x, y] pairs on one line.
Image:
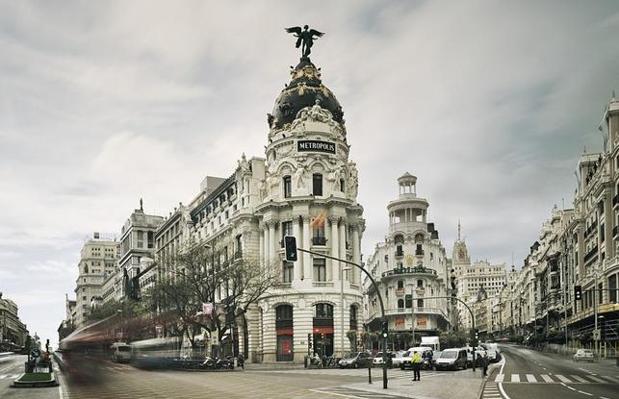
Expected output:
{"points": [[369, 374]]}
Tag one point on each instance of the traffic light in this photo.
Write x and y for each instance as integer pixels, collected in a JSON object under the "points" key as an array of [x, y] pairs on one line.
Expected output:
{"points": [[476, 334], [578, 292], [385, 328], [290, 245], [322, 336]]}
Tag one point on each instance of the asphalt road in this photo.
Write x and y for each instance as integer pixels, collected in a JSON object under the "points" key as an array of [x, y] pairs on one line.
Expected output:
{"points": [[12, 367], [530, 374]]}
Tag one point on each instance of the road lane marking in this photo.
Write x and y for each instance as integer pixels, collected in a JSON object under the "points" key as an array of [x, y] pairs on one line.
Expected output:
{"points": [[586, 393], [531, 378], [563, 378], [578, 378], [547, 378], [500, 384], [597, 379], [499, 378], [613, 379], [515, 377]]}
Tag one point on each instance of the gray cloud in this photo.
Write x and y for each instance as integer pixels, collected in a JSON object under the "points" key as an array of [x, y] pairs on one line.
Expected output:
{"points": [[489, 104]]}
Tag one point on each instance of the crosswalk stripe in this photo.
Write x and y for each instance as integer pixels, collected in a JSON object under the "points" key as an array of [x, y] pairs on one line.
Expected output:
{"points": [[563, 378], [531, 378], [596, 379], [499, 378], [2, 376], [613, 379], [547, 378], [515, 377], [578, 378]]}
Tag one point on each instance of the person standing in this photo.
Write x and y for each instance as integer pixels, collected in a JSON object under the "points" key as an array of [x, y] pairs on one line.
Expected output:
{"points": [[416, 361]]}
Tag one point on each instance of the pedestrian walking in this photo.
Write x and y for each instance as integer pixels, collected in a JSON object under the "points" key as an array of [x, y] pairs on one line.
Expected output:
{"points": [[416, 361], [484, 365], [240, 360]]}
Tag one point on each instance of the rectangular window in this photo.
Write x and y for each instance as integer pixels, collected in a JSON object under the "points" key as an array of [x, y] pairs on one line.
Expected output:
{"points": [[318, 235], [317, 184], [288, 270], [320, 269], [151, 239], [286, 231], [140, 239], [612, 289], [287, 186]]}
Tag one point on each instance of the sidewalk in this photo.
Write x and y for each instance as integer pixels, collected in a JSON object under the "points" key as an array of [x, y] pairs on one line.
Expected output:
{"points": [[465, 385], [273, 366]]}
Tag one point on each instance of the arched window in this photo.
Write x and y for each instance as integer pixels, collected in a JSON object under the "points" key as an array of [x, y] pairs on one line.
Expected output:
{"points": [[400, 284], [342, 185], [287, 182], [400, 303], [420, 283], [420, 303], [284, 332], [317, 184], [283, 312], [324, 311], [419, 238]]}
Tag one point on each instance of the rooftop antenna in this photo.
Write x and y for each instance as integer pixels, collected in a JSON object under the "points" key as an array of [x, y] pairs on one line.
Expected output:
{"points": [[141, 205], [459, 228]]}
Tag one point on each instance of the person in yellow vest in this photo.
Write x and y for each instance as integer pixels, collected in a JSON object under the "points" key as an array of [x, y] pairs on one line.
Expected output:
{"points": [[416, 360]]}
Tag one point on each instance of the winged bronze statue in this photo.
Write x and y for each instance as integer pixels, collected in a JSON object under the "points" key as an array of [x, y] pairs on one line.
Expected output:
{"points": [[305, 38]]}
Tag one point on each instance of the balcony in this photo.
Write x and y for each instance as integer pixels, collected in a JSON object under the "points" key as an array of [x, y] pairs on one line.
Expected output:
{"points": [[319, 241], [399, 254], [419, 252], [399, 291], [615, 230], [591, 254], [409, 270]]}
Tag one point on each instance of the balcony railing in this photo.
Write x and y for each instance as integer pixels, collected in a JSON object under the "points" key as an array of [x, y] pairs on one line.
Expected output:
{"points": [[615, 230], [409, 270], [319, 241], [591, 254], [399, 254]]}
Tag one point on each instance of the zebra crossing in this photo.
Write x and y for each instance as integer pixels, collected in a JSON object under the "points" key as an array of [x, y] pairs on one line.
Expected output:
{"points": [[9, 376], [555, 379], [376, 372]]}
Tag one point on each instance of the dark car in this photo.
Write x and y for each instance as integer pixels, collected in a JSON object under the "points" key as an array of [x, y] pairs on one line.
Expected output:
{"points": [[451, 359], [356, 360]]}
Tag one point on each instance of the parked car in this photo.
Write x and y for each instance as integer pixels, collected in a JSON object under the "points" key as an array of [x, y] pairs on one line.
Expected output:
{"points": [[121, 352], [492, 351], [398, 358], [355, 360], [584, 354], [425, 353], [378, 359], [479, 352], [435, 355], [452, 359]]}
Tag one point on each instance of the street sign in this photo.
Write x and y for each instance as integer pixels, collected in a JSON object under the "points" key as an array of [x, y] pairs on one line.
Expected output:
{"points": [[596, 334]]}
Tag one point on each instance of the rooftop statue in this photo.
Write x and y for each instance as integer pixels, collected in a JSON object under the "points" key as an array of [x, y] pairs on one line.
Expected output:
{"points": [[305, 38]]}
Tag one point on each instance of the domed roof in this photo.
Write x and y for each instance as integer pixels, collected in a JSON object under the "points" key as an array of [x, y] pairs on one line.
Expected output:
{"points": [[305, 90]]}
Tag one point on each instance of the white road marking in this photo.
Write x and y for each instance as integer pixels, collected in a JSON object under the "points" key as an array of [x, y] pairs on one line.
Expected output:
{"points": [[515, 377], [499, 378], [586, 393], [500, 384], [563, 378], [597, 379], [547, 378], [531, 378], [578, 378], [613, 379]]}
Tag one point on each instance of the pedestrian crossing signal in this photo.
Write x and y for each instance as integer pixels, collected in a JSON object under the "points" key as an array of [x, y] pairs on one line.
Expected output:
{"points": [[290, 246]]}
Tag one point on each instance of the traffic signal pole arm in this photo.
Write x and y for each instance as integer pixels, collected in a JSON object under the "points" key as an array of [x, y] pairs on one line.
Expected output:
{"points": [[380, 299]]}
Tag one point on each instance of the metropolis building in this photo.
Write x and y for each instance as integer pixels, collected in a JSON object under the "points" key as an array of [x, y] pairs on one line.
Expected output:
{"points": [[409, 267], [305, 186]]}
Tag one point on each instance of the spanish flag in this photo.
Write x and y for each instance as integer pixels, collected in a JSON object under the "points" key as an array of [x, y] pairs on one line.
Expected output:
{"points": [[318, 221]]}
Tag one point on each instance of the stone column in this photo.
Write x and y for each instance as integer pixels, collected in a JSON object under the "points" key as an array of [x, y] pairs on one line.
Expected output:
{"points": [[356, 254], [335, 247], [261, 247], [307, 262], [298, 265], [329, 262], [342, 231], [272, 243]]}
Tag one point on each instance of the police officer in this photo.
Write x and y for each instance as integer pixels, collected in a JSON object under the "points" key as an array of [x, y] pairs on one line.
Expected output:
{"points": [[416, 360]]}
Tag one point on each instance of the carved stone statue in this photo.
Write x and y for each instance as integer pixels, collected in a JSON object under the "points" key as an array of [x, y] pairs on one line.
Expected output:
{"points": [[305, 38], [300, 175], [353, 180]]}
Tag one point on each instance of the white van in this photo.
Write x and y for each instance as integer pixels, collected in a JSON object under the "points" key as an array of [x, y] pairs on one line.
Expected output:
{"points": [[121, 352]]}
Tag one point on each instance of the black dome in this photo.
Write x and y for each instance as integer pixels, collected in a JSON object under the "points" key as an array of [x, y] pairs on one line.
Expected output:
{"points": [[304, 90]]}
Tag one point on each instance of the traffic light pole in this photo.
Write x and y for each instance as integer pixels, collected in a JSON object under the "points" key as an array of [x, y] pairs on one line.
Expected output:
{"points": [[380, 299]]}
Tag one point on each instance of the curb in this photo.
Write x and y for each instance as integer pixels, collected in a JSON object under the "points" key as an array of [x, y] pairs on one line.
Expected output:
{"points": [[37, 384]]}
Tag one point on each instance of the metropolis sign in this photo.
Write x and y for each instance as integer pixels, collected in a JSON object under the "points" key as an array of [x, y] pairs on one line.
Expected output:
{"points": [[315, 146]]}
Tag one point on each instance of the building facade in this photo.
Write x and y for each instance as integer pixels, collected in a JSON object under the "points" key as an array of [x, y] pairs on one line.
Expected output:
{"points": [[98, 259], [13, 332], [410, 265]]}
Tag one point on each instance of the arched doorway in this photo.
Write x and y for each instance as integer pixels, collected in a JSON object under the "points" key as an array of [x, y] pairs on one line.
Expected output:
{"points": [[284, 332], [323, 329]]}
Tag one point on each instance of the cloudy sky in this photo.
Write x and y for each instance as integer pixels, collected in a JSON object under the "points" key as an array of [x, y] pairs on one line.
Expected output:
{"points": [[490, 104]]}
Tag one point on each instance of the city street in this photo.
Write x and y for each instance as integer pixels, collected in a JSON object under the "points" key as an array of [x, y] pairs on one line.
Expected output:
{"points": [[12, 367], [530, 374]]}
